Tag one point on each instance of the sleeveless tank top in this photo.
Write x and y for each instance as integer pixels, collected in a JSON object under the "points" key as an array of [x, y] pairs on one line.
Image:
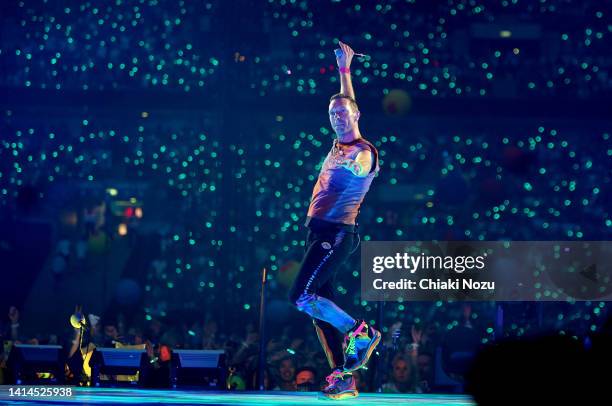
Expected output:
{"points": [[338, 193]]}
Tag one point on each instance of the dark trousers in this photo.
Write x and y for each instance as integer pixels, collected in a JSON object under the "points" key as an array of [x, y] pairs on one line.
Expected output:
{"points": [[327, 248]]}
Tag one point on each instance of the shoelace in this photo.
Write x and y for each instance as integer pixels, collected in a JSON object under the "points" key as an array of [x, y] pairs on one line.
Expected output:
{"points": [[350, 348], [334, 376]]}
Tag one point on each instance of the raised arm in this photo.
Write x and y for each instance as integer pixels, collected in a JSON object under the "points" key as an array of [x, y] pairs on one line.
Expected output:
{"points": [[344, 66]]}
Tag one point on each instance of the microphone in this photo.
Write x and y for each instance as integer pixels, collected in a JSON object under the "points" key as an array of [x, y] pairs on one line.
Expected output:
{"points": [[77, 320], [339, 54]]}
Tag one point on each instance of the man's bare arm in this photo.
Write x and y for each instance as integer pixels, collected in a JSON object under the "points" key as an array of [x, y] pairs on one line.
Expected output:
{"points": [[361, 165], [344, 65]]}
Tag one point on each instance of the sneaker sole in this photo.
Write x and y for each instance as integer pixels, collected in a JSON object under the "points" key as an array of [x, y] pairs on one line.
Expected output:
{"points": [[373, 345], [340, 396]]}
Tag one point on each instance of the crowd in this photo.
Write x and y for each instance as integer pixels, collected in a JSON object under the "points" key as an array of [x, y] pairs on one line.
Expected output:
{"points": [[418, 355], [553, 48]]}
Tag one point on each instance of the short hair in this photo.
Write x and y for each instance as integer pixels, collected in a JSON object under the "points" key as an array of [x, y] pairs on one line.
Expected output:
{"points": [[306, 368], [344, 96]]}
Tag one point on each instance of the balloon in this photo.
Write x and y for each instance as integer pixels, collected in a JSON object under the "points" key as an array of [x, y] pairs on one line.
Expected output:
{"points": [[397, 102], [288, 272]]}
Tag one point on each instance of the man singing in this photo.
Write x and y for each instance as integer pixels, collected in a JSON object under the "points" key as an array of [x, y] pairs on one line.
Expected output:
{"points": [[344, 180]]}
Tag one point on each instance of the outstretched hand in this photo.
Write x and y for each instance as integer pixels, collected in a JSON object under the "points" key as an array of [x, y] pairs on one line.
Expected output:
{"points": [[347, 56]]}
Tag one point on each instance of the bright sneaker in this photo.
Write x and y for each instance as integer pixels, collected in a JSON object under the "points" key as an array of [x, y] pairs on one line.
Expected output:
{"points": [[340, 385], [359, 343]]}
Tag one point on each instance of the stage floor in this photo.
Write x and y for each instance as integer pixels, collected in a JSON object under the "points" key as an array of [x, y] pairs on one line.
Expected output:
{"points": [[115, 396]]}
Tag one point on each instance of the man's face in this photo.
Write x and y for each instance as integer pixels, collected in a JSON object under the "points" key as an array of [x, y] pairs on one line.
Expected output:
{"points": [[401, 371], [110, 331], [343, 116], [287, 370]]}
